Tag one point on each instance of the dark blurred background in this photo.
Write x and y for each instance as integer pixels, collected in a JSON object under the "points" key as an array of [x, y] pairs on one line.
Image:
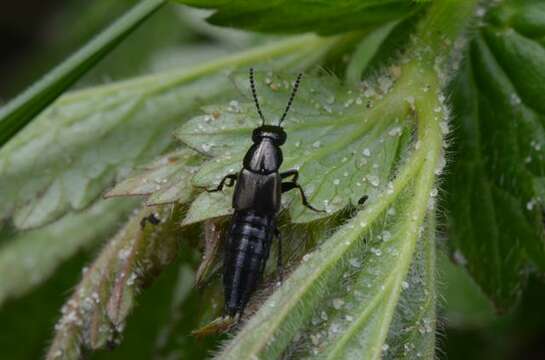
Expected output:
{"points": [[38, 34]]}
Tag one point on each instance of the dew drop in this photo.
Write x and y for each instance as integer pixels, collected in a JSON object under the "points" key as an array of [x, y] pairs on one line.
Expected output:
{"points": [[206, 147], [514, 99], [395, 131], [374, 180], [234, 106], [355, 263], [338, 303], [323, 316]]}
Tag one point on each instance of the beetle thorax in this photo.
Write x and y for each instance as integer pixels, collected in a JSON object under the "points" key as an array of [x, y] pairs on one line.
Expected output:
{"points": [[263, 157]]}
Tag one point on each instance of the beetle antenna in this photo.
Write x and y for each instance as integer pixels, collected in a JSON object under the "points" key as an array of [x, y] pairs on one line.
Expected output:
{"points": [[254, 94], [290, 100]]}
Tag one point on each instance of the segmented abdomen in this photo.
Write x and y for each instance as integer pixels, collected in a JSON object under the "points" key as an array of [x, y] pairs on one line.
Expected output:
{"points": [[246, 253]]}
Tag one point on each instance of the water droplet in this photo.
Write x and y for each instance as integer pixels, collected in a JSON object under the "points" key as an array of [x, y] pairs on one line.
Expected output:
{"points": [[338, 303], [234, 106], [395, 131], [316, 144], [355, 263], [459, 258], [336, 182], [385, 83], [374, 180], [514, 100], [323, 316], [370, 92]]}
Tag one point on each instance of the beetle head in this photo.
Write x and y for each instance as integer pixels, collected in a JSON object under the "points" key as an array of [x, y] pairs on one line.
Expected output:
{"points": [[275, 133]]}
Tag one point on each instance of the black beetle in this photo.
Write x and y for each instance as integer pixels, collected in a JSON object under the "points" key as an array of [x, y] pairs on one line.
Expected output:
{"points": [[256, 201]]}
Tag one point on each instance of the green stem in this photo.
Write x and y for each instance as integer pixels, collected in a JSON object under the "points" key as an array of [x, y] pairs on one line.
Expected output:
{"points": [[20, 111]]}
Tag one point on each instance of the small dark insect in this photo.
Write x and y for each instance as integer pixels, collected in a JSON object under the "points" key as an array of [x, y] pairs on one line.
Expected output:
{"points": [[256, 202], [363, 199], [152, 219]]}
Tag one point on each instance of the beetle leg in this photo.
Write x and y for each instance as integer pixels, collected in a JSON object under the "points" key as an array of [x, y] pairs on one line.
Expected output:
{"points": [[228, 180], [289, 173], [279, 265], [287, 186]]}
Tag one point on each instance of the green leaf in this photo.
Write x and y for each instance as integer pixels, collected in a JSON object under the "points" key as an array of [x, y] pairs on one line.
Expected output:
{"points": [[466, 305], [21, 110], [167, 180], [88, 139], [353, 282], [291, 16], [345, 142], [96, 313], [495, 201], [31, 257], [366, 50]]}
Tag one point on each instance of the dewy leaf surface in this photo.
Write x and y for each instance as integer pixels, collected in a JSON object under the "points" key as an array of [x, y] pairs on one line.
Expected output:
{"points": [[495, 199], [290, 16], [340, 157], [352, 284], [89, 139], [166, 180]]}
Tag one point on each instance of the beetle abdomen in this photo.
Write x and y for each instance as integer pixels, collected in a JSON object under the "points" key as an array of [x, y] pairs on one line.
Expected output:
{"points": [[246, 254]]}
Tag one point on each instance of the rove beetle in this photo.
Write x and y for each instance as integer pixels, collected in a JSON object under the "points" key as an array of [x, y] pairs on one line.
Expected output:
{"points": [[256, 201]]}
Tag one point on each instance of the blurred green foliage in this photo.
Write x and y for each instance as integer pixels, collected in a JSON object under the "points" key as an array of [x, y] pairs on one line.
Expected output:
{"points": [[491, 303]]}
